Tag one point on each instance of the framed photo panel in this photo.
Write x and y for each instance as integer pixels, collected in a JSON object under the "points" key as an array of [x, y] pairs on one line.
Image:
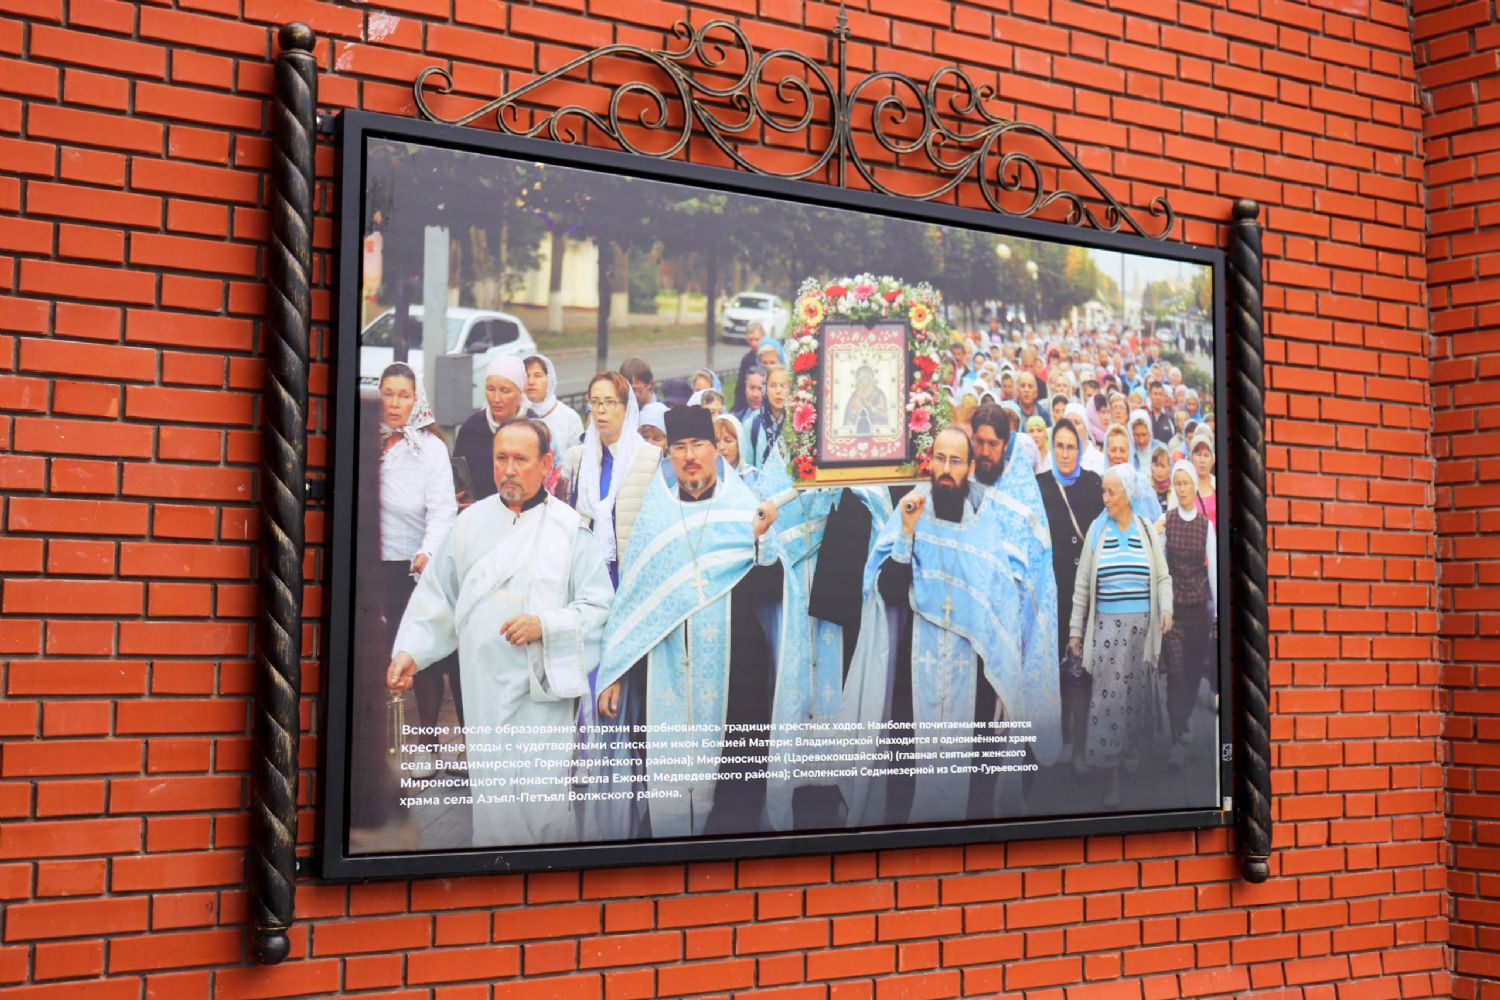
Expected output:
{"points": [[683, 514]]}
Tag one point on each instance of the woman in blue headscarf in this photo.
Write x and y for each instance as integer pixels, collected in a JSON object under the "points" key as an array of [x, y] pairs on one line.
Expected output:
{"points": [[1073, 499], [769, 346]]}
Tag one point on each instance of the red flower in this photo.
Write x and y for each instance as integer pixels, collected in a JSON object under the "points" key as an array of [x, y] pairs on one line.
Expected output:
{"points": [[864, 290], [921, 420], [805, 468], [835, 291], [892, 295], [926, 364], [924, 464], [806, 361], [803, 418]]}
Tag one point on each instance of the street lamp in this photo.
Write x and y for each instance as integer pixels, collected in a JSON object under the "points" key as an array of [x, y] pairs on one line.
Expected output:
{"points": [[1036, 291]]}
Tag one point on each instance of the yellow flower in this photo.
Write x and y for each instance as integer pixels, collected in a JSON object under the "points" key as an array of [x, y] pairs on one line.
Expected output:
{"points": [[810, 311], [920, 315]]}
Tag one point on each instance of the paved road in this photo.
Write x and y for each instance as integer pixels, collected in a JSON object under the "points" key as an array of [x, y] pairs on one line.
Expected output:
{"points": [[670, 359]]}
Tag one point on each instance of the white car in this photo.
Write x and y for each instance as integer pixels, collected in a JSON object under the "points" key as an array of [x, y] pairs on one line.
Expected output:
{"points": [[746, 306], [480, 333]]}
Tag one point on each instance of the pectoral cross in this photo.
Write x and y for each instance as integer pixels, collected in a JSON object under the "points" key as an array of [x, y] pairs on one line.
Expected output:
{"points": [[700, 585]]}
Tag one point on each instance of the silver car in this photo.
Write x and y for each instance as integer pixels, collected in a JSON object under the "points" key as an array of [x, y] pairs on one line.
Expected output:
{"points": [[746, 306], [481, 333]]}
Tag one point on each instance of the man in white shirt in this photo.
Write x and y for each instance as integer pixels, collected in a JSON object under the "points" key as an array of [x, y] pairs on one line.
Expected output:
{"points": [[520, 590]]}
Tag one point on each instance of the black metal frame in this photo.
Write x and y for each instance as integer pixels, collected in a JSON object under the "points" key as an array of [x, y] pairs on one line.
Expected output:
{"points": [[334, 862]]}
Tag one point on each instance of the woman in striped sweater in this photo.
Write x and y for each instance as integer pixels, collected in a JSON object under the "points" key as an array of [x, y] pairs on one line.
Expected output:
{"points": [[1122, 605]]}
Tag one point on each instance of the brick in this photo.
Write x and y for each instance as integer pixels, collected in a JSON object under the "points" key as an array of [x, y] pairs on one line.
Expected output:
{"points": [[73, 597], [83, 437], [449, 965], [69, 757], [31, 921], [64, 357], [66, 280], [74, 201]]}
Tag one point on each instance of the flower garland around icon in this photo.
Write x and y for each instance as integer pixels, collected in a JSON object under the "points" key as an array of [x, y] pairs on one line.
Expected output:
{"points": [[867, 298]]}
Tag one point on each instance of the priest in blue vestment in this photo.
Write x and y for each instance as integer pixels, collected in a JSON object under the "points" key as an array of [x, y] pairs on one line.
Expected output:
{"points": [[1014, 501], [701, 572], [939, 655]]}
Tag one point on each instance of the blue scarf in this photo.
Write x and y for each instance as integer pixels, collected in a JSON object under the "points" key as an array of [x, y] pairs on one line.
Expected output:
{"points": [[1066, 480]]}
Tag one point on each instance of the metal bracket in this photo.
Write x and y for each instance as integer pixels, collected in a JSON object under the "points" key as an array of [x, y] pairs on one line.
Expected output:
{"points": [[904, 117]]}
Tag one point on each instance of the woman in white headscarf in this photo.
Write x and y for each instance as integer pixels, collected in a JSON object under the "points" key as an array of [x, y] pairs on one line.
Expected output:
{"points": [[1117, 454], [1092, 458], [610, 472], [1140, 437], [417, 508], [542, 401]]}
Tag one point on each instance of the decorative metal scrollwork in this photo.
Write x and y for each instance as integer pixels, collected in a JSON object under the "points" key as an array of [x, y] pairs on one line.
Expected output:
{"points": [[906, 117]]}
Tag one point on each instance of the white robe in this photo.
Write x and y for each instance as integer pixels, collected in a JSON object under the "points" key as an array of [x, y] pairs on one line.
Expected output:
{"points": [[494, 565]]}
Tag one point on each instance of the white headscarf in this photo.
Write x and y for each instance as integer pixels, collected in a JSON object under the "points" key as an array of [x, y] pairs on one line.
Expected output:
{"points": [[420, 416], [550, 399], [1183, 465], [513, 370], [654, 415], [590, 504], [1142, 456]]}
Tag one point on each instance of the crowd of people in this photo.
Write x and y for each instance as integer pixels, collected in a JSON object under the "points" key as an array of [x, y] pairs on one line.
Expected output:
{"points": [[629, 580]]}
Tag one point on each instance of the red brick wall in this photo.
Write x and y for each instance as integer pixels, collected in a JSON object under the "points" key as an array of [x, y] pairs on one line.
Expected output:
{"points": [[1458, 53], [131, 211]]}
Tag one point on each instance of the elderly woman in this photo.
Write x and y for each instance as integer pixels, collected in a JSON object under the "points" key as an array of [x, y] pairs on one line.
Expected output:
{"points": [[1072, 500], [1191, 548], [1119, 408], [542, 401], [417, 507], [611, 470], [1122, 606], [652, 424], [1117, 453]]}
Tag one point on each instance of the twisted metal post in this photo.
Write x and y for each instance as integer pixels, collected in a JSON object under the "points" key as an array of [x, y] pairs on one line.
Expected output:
{"points": [[283, 483], [1251, 645]]}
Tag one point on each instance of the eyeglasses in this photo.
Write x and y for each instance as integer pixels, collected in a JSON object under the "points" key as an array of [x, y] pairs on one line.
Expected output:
{"points": [[603, 405]]}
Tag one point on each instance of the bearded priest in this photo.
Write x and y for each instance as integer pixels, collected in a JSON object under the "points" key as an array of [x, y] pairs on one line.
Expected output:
{"points": [[939, 652]]}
